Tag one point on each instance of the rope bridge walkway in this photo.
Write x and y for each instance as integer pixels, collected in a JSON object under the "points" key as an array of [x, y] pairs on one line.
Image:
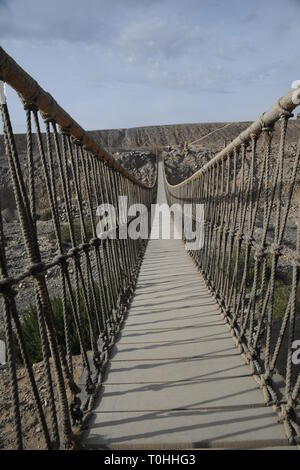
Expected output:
{"points": [[178, 348], [175, 378]]}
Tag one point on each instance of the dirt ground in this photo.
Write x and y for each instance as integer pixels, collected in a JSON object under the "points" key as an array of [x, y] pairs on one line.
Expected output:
{"points": [[32, 431]]}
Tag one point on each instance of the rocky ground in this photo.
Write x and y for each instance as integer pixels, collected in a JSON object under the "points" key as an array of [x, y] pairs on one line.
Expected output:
{"points": [[34, 438], [141, 164], [17, 262], [181, 164]]}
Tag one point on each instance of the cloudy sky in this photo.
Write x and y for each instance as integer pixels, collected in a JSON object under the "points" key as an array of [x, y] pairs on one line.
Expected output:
{"points": [[125, 63]]}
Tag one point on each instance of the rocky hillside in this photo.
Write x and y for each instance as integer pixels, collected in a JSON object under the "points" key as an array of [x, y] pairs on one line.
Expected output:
{"points": [[161, 136], [180, 164], [135, 148]]}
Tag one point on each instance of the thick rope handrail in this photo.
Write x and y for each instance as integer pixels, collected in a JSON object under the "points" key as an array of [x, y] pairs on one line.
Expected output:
{"points": [[31, 92], [66, 177], [249, 255], [285, 105]]}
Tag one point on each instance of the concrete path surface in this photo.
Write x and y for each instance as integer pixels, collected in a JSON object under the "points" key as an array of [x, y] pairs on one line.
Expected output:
{"points": [[175, 379]]}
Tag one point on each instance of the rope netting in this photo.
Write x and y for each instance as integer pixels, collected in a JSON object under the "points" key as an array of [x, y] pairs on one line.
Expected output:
{"points": [[250, 256], [67, 173]]}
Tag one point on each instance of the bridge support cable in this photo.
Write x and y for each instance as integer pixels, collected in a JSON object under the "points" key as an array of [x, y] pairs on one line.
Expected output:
{"points": [[64, 177], [250, 257]]}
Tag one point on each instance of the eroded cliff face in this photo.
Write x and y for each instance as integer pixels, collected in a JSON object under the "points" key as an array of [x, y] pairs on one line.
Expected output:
{"points": [[158, 136]]}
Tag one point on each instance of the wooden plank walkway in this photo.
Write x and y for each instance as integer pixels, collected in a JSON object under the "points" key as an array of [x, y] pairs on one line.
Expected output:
{"points": [[175, 379]]}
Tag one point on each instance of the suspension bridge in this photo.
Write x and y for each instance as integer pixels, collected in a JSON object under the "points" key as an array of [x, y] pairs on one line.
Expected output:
{"points": [[178, 347]]}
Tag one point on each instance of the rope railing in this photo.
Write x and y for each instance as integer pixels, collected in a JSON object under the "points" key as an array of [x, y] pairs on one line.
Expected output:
{"points": [[250, 255], [64, 173]]}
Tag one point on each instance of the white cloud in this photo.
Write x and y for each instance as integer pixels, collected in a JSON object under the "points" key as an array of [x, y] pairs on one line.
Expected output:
{"points": [[160, 47]]}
